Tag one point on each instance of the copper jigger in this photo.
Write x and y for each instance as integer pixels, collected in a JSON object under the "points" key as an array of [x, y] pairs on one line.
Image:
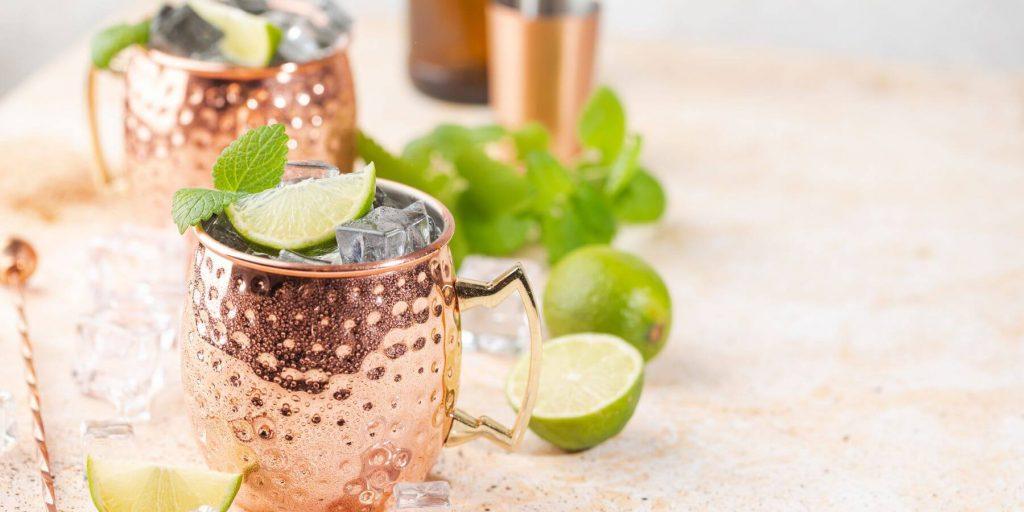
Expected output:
{"points": [[179, 113], [327, 384], [542, 64]]}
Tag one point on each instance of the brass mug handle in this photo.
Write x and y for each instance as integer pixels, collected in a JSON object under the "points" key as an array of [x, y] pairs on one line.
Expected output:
{"points": [[101, 170], [472, 294]]}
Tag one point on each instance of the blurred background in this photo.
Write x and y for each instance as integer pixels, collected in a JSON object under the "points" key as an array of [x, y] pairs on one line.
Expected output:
{"points": [[982, 34]]}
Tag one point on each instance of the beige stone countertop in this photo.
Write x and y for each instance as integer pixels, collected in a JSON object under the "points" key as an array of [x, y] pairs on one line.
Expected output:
{"points": [[844, 247]]}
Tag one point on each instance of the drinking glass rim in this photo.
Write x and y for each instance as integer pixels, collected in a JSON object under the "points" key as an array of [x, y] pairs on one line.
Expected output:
{"points": [[320, 270]]}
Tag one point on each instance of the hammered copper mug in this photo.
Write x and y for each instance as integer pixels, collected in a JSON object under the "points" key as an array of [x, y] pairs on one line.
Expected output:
{"points": [[327, 384], [179, 113]]}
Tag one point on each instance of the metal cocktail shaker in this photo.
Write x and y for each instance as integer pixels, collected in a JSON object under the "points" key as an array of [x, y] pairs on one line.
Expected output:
{"points": [[541, 63]]}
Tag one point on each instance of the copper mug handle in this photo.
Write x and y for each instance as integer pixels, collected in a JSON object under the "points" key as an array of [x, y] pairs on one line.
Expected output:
{"points": [[472, 294], [102, 173]]}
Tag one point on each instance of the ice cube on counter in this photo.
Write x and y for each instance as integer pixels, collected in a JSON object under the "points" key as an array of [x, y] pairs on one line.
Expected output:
{"points": [[422, 496]]}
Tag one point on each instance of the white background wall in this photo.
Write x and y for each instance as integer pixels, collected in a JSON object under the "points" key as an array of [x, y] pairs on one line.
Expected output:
{"points": [[967, 33]]}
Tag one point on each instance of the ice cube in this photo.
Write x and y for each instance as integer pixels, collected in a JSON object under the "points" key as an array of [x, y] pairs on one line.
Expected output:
{"points": [[338, 21], [306, 38], [220, 228], [384, 233], [423, 496], [251, 6], [295, 172], [294, 257], [364, 240], [381, 198], [300, 39], [502, 329], [95, 430], [419, 225], [108, 438], [181, 31], [7, 423]]}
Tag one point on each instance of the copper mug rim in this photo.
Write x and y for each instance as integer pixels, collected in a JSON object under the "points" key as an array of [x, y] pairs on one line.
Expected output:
{"points": [[228, 71], [235, 72], [346, 269]]}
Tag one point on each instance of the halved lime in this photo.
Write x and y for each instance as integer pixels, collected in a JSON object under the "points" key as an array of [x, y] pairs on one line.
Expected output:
{"points": [[590, 384], [248, 40], [303, 214], [123, 486]]}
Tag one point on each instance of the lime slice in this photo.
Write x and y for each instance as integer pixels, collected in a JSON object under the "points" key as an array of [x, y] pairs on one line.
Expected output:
{"points": [[303, 214], [120, 486], [248, 40], [589, 386]]}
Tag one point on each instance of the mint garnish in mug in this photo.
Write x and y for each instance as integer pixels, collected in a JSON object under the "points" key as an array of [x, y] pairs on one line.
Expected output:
{"points": [[288, 216], [239, 33]]}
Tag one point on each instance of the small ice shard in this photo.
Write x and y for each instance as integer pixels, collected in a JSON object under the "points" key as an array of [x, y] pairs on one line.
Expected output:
{"points": [[295, 172], [294, 257], [423, 496], [7, 423], [179, 30]]}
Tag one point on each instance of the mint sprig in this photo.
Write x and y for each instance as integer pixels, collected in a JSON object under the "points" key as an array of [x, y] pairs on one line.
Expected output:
{"points": [[191, 206], [623, 169], [602, 125], [506, 189], [252, 163], [112, 40]]}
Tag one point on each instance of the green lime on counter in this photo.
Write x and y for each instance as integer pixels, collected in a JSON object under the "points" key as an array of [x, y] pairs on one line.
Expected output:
{"points": [[126, 486], [249, 40], [300, 215], [601, 289], [590, 384]]}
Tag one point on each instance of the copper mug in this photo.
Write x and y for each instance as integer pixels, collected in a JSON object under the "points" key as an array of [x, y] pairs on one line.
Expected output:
{"points": [[179, 113], [327, 384]]}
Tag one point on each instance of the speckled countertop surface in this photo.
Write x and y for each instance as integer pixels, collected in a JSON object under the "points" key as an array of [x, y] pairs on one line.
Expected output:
{"points": [[844, 246]]}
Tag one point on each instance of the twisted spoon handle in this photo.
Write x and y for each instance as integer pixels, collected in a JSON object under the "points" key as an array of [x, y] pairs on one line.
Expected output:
{"points": [[38, 432]]}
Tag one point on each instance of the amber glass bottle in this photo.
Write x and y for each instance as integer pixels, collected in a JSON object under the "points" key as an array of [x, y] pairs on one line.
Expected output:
{"points": [[448, 49]]}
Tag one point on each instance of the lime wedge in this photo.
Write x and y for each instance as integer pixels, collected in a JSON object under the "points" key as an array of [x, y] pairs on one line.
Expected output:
{"points": [[121, 486], [248, 40], [303, 214], [589, 386]]}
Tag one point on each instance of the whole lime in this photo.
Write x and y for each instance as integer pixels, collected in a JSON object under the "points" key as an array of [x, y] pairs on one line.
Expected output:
{"points": [[601, 289]]}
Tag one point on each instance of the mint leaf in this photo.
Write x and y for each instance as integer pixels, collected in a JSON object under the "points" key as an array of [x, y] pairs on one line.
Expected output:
{"points": [[531, 137], [190, 206], [584, 219], [108, 43], [254, 162], [625, 165], [602, 125], [449, 140], [492, 187], [402, 170], [550, 182], [642, 199], [497, 235]]}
